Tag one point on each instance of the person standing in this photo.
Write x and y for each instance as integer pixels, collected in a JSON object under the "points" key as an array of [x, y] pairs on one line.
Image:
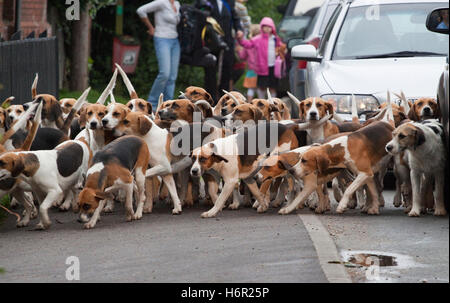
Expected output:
{"points": [[223, 11], [167, 46], [267, 46]]}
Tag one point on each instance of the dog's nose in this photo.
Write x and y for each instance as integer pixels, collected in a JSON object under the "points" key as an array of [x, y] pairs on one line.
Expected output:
{"points": [[389, 148], [194, 171], [104, 122], [313, 114], [25, 106], [426, 110], [93, 124], [224, 111], [11, 118]]}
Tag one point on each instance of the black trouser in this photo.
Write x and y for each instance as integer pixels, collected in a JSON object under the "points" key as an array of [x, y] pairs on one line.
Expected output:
{"points": [[211, 76]]}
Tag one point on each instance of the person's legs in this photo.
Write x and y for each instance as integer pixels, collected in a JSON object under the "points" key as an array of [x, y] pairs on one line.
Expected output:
{"points": [[174, 64], [211, 81], [162, 49], [227, 71]]}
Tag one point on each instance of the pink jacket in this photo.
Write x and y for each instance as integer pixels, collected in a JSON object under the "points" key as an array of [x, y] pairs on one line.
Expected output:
{"points": [[248, 55], [260, 45]]}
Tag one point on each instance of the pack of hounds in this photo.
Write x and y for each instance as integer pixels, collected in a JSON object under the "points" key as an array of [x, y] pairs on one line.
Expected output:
{"points": [[73, 154]]}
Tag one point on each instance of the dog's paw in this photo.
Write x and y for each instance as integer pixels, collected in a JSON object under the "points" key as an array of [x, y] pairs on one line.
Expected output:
{"points": [[373, 211], [137, 216], [147, 210], [320, 210], [22, 223], [440, 212], [108, 209], [340, 210], [42, 226], [233, 206], [352, 204], [176, 211], [256, 204], [284, 211], [414, 213], [262, 209], [64, 207], [207, 214], [89, 225]]}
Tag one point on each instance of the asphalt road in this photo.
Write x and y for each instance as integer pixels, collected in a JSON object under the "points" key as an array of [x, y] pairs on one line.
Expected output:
{"points": [[237, 246]]}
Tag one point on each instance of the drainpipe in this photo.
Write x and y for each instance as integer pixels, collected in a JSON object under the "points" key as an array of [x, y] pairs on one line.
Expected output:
{"points": [[18, 14]]}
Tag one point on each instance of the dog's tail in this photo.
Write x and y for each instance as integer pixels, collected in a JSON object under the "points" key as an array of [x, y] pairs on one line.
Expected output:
{"points": [[269, 96], [111, 98], [76, 107], [355, 118], [389, 117], [404, 102], [306, 125], [108, 89], [160, 102], [235, 100], [19, 124], [126, 80], [32, 133], [7, 102], [34, 87]]}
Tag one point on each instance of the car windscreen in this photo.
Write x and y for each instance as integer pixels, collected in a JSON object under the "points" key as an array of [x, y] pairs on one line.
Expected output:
{"points": [[389, 30]]}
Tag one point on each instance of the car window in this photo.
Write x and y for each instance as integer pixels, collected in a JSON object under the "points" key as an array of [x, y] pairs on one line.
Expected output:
{"points": [[391, 30], [293, 27], [328, 29], [312, 24], [326, 18]]}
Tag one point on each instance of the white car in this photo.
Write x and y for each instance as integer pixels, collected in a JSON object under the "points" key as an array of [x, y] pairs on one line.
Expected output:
{"points": [[370, 48]]}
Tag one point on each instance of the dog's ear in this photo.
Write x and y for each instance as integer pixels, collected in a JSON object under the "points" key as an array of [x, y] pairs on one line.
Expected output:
{"points": [[56, 113], [103, 195], [144, 125], [322, 163], [330, 107], [437, 110], [257, 114], [412, 113], [216, 158], [149, 108], [82, 120], [208, 98], [284, 165], [301, 110], [17, 167], [419, 137], [402, 115]]}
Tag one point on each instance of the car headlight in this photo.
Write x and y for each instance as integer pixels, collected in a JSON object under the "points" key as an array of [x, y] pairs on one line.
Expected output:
{"points": [[343, 103]]}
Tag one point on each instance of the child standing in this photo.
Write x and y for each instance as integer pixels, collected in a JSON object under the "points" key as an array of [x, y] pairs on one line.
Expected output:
{"points": [[251, 78], [266, 46]]}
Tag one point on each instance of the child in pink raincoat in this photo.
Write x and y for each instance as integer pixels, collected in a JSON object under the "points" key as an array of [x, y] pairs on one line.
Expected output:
{"points": [[267, 45]]}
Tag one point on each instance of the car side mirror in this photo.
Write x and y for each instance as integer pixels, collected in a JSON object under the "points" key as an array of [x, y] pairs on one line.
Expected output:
{"points": [[305, 52], [294, 42], [437, 21]]}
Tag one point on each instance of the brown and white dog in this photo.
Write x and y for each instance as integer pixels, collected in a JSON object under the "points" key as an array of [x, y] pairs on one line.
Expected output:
{"points": [[237, 157], [116, 167], [426, 156], [163, 163], [195, 93], [66, 105], [228, 102], [424, 108], [50, 173], [361, 152]]}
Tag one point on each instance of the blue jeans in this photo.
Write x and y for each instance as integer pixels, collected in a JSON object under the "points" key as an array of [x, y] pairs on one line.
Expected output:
{"points": [[168, 55]]}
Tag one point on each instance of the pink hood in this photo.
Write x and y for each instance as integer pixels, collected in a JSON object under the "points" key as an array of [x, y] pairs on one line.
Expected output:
{"points": [[260, 44]]}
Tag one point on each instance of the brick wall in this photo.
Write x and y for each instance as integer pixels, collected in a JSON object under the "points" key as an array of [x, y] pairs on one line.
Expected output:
{"points": [[33, 17]]}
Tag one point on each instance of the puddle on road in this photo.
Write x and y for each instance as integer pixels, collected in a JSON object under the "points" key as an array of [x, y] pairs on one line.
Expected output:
{"points": [[388, 264], [370, 259]]}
